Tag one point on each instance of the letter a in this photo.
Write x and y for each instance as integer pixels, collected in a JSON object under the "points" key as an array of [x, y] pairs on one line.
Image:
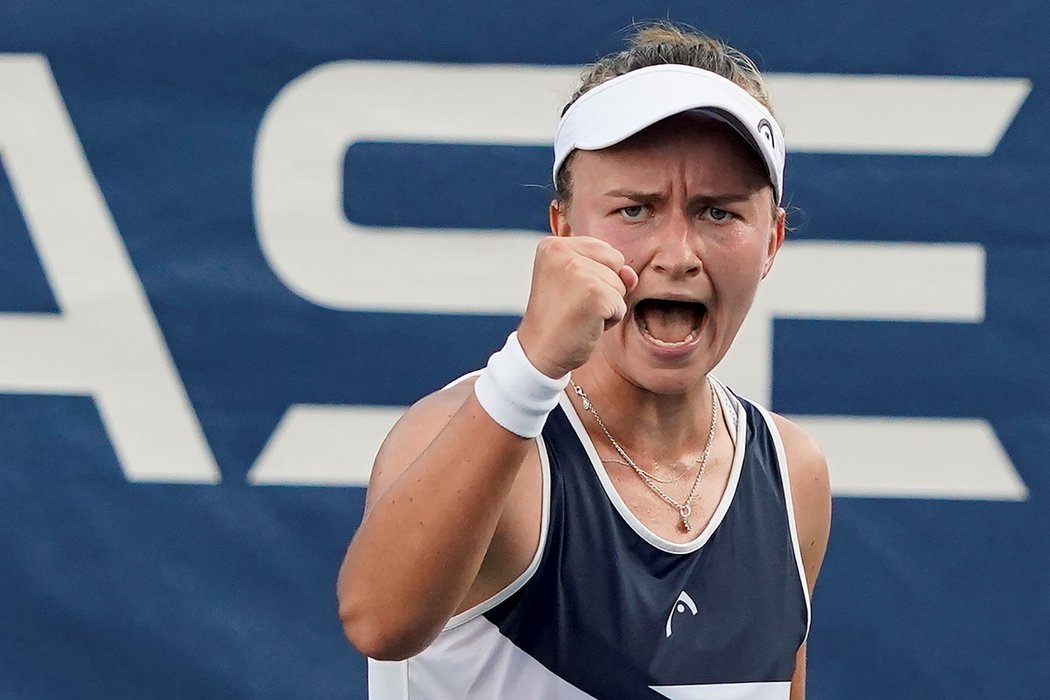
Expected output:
{"points": [[105, 341]]}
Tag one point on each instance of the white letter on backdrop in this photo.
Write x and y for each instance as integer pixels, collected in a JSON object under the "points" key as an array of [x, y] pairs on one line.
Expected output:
{"points": [[105, 341]]}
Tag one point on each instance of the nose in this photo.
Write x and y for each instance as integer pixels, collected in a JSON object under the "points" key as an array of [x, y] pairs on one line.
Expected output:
{"points": [[676, 253]]}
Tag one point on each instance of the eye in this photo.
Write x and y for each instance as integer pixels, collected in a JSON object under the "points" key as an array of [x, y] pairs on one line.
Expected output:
{"points": [[719, 216], [635, 212]]}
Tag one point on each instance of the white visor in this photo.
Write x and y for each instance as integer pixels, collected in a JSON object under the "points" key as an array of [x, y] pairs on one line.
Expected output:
{"points": [[619, 108]]}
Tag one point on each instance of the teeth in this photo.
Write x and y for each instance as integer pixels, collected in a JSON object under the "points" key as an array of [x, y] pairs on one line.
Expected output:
{"points": [[666, 343]]}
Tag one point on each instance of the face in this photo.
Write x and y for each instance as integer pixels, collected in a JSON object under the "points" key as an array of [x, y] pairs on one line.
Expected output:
{"points": [[689, 206]]}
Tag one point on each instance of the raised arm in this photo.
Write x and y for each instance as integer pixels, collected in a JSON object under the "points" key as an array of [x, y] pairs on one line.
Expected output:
{"points": [[448, 501]]}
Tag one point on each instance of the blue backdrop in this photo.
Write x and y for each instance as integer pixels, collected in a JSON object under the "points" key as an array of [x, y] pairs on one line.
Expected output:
{"points": [[156, 341]]}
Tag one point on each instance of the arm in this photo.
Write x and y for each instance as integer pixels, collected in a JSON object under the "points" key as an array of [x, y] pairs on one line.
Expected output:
{"points": [[443, 523], [811, 498], [798, 679], [438, 489]]}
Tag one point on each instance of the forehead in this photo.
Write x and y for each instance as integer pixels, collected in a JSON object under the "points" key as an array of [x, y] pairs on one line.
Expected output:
{"points": [[693, 145]]}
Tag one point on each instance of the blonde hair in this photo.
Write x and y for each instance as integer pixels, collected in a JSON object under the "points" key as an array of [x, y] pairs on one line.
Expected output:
{"points": [[659, 43]]}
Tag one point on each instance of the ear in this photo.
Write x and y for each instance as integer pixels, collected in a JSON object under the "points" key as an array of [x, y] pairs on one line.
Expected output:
{"points": [[776, 239], [559, 221]]}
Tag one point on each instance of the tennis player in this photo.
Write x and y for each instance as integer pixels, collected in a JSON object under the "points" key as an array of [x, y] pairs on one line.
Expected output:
{"points": [[594, 515]]}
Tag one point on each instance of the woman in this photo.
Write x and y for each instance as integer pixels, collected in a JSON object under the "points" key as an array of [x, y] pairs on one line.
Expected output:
{"points": [[593, 514]]}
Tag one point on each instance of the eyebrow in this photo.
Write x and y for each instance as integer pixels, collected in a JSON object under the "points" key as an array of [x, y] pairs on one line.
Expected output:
{"points": [[710, 199], [634, 194]]}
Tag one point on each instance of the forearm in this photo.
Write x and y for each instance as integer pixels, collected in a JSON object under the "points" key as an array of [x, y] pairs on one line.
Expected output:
{"points": [[422, 542]]}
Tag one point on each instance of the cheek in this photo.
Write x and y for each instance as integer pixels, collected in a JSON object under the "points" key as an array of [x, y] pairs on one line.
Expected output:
{"points": [[736, 268], [742, 254], [584, 223]]}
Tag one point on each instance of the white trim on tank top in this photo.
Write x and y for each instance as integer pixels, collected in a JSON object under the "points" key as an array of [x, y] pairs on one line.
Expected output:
{"points": [[515, 585], [786, 480]]}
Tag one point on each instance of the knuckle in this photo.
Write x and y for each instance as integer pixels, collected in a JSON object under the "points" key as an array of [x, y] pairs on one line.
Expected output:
{"points": [[607, 252], [593, 291], [574, 267], [551, 245]]}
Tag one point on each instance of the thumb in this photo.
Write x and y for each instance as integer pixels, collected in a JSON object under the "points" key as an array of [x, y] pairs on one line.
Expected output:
{"points": [[629, 277]]}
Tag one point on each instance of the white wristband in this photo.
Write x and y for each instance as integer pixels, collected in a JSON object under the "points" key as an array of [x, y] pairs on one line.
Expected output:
{"points": [[516, 394]]}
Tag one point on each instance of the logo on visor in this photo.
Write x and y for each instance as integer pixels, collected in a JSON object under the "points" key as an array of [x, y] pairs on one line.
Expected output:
{"points": [[766, 129]]}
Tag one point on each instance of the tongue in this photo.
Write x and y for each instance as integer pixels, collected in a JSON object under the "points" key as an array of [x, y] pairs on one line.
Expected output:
{"points": [[668, 321]]}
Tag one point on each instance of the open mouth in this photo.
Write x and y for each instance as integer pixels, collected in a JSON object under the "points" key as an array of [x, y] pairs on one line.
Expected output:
{"points": [[668, 323]]}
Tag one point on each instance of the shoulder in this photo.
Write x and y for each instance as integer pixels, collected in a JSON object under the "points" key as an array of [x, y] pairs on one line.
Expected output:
{"points": [[413, 433], [439, 405], [425, 418], [806, 460], [810, 493]]}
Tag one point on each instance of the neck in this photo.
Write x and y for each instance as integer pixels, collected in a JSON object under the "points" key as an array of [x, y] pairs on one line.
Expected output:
{"points": [[661, 427]]}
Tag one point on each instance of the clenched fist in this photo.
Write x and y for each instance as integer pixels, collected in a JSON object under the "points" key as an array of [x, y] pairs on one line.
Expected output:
{"points": [[578, 290]]}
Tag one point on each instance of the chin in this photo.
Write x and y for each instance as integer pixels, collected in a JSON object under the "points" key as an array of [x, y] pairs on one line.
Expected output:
{"points": [[676, 383], [667, 381]]}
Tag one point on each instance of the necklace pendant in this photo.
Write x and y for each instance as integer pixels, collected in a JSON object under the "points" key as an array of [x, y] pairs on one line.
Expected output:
{"points": [[685, 511]]}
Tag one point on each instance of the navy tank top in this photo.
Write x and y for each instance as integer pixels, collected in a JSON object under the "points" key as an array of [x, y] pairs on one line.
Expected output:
{"points": [[619, 612]]}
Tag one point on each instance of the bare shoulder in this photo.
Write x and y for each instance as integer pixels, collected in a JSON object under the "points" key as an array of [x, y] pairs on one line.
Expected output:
{"points": [[806, 460], [413, 433], [810, 493]]}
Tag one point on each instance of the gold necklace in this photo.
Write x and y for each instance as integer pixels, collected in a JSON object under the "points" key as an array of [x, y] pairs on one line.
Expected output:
{"points": [[685, 509], [684, 469]]}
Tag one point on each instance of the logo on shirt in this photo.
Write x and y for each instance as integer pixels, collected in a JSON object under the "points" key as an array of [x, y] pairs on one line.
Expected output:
{"points": [[683, 603]]}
